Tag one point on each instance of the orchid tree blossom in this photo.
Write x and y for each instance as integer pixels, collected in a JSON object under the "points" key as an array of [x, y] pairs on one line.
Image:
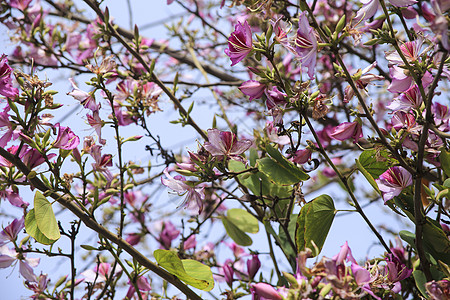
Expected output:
{"points": [[348, 130], [306, 44], [86, 99], [363, 78], [225, 144], [6, 88], [252, 88], [392, 182], [182, 187], [66, 139], [100, 273], [9, 257], [10, 232], [239, 43]]}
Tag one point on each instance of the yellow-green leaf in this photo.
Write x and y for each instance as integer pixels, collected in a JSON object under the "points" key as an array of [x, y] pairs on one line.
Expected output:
{"points": [[32, 229], [45, 218], [173, 264]]}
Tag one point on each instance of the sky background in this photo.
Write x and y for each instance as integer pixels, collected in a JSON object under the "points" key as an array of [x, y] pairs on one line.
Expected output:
{"points": [[348, 227]]}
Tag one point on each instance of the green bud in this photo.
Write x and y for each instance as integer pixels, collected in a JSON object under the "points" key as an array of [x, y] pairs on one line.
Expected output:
{"points": [[340, 25]]}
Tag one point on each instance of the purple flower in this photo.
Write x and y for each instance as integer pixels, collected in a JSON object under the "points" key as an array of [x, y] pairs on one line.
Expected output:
{"points": [[100, 273], [95, 122], [306, 45], [393, 181], [168, 234], [253, 266], [6, 88], [20, 4], [252, 88], [9, 257], [228, 274], [348, 130], [66, 139], [142, 284], [181, 186], [239, 43], [190, 243], [438, 290], [10, 232], [361, 83], [411, 99], [370, 8], [272, 134], [13, 197], [410, 50], [4, 122], [226, 144], [101, 161], [275, 97], [396, 270], [302, 156], [86, 99], [264, 291]]}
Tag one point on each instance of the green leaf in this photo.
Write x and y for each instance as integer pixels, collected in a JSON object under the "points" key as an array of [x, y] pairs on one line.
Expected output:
{"points": [[368, 176], [374, 166], [237, 235], [32, 229], [420, 280], [444, 159], [169, 260], [199, 271], [314, 223], [279, 169], [243, 220], [258, 183], [45, 218]]}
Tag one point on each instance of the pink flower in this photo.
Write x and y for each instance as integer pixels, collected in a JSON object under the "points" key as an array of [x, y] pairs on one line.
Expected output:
{"points": [[225, 144], [190, 243], [86, 99], [392, 182], [252, 88], [66, 139], [101, 162], [348, 130], [239, 43], [361, 83], [39, 286], [228, 274], [20, 4], [168, 234], [181, 186], [302, 156], [253, 266], [142, 284], [96, 123], [275, 97], [10, 232], [411, 99], [281, 34], [13, 197], [6, 88], [306, 45], [272, 134], [4, 122], [264, 291], [100, 273], [9, 257]]}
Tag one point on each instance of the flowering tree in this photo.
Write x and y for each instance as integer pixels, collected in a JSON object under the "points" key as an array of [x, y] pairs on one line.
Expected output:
{"points": [[380, 133]]}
